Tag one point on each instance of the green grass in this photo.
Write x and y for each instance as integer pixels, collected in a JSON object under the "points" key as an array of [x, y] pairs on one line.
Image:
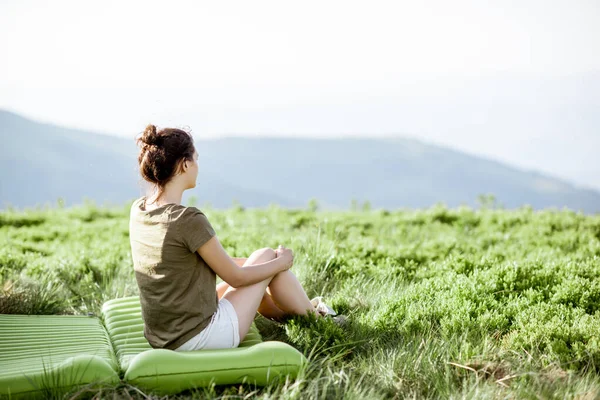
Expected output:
{"points": [[443, 303]]}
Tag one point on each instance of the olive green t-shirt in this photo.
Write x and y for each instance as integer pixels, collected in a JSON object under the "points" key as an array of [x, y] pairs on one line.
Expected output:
{"points": [[177, 288]]}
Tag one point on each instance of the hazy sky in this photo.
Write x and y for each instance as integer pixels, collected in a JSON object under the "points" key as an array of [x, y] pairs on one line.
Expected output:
{"points": [[516, 81]]}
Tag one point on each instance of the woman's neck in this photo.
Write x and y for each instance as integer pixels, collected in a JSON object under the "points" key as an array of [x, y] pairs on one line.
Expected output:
{"points": [[164, 200]]}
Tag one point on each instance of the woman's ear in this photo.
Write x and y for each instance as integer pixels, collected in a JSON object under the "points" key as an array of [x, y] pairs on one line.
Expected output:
{"points": [[182, 167]]}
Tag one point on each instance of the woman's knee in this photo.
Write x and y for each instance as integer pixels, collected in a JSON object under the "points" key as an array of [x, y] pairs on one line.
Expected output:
{"points": [[262, 255]]}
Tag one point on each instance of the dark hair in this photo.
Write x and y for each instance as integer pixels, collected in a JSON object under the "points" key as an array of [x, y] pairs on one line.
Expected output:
{"points": [[162, 154]]}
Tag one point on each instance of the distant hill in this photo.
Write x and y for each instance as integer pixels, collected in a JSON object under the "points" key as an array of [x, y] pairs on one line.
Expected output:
{"points": [[41, 163]]}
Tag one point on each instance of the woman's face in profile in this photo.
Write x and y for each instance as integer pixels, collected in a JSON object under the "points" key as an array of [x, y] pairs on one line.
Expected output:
{"points": [[192, 170]]}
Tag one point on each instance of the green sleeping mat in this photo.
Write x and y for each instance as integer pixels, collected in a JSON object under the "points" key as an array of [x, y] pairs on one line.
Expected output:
{"points": [[40, 353]]}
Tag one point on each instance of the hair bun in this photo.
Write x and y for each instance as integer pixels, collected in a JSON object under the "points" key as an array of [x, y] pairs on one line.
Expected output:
{"points": [[150, 136]]}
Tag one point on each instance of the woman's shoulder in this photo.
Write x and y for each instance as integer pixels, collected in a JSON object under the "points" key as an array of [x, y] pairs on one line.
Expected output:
{"points": [[137, 201], [135, 206], [183, 213], [194, 210]]}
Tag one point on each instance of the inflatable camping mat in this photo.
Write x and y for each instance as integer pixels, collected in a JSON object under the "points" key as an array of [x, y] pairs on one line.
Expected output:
{"points": [[41, 353]]}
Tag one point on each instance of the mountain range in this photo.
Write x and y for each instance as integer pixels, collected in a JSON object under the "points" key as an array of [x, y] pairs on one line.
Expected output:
{"points": [[41, 163]]}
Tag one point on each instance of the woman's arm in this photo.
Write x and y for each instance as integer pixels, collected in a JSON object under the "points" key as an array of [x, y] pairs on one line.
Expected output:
{"points": [[239, 260], [227, 269]]}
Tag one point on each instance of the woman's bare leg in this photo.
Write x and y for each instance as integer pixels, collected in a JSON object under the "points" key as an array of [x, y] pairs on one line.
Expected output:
{"points": [[267, 307], [289, 297], [286, 293]]}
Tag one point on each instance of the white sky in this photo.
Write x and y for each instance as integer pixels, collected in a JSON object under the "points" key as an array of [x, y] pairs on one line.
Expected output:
{"points": [[310, 68]]}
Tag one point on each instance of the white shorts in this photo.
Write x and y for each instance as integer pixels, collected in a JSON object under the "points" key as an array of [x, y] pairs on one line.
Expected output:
{"points": [[222, 332]]}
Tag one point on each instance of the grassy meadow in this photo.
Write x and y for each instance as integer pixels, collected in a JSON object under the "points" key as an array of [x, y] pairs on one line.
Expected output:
{"points": [[442, 303]]}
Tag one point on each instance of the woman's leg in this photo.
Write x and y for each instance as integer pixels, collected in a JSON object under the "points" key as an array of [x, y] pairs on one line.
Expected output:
{"points": [[286, 293], [267, 307], [289, 295]]}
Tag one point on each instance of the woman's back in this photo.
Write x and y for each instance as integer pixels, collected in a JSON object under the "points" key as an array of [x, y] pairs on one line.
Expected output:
{"points": [[177, 287]]}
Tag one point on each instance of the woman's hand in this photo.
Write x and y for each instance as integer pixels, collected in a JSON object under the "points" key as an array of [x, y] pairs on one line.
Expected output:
{"points": [[286, 255]]}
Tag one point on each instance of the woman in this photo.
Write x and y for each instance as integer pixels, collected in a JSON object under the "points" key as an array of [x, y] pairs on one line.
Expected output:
{"points": [[177, 255]]}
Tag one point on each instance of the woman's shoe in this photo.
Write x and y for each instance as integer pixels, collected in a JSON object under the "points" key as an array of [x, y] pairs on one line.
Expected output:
{"points": [[326, 311], [321, 307]]}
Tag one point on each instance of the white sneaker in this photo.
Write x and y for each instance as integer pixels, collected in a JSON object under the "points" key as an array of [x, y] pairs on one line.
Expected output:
{"points": [[321, 307]]}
